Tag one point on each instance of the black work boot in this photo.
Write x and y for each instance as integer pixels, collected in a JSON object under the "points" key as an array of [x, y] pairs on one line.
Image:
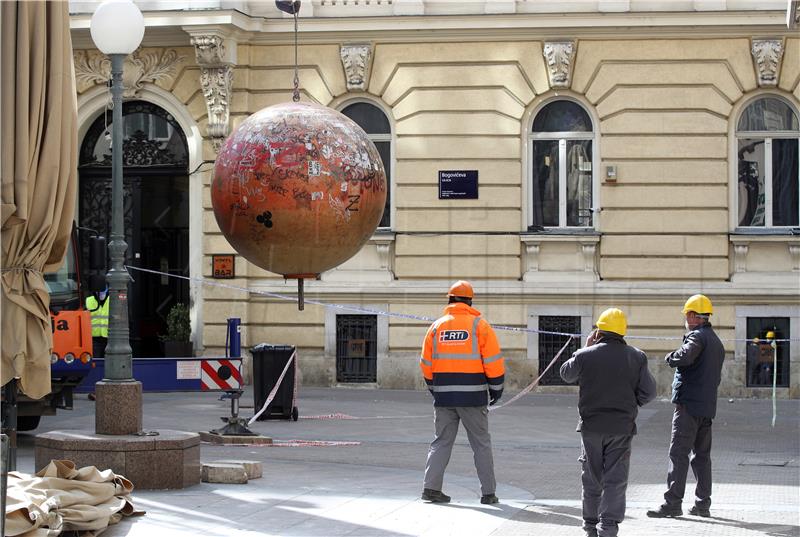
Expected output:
{"points": [[435, 496], [665, 511], [696, 510], [489, 499]]}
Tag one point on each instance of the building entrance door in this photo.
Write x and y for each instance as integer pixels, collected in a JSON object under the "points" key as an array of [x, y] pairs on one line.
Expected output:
{"points": [[156, 213]]}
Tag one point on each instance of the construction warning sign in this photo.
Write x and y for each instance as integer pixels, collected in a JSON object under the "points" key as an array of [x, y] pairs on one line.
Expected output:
{"points": [[223, 374]]}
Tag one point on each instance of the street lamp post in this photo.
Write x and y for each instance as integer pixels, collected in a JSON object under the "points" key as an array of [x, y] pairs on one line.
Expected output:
{"points": [[117, 28]]}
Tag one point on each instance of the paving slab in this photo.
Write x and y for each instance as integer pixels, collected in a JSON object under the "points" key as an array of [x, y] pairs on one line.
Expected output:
{"points": [[363, 476]]}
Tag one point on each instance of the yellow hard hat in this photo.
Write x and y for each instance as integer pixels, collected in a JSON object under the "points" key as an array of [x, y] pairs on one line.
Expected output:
{"points": [[698, 304], [461, 288], [770, 335], [613, 320]]}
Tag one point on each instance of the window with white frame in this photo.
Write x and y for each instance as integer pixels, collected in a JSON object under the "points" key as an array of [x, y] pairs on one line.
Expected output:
{"points": [[561, 145], [375, 123], [768, 143]]}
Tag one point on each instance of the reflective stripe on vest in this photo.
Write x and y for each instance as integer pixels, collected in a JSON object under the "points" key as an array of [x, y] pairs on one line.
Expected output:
{"points": [[461, 388]]}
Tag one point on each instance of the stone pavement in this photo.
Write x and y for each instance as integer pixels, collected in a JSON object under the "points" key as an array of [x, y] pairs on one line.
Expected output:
{"points": [[370, 485]]}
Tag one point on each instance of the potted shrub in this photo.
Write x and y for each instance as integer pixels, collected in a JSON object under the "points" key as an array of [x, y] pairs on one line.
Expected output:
{"points": [[179, 329]]}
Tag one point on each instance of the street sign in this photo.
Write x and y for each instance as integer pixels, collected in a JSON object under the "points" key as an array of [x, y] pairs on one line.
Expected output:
{"points": [[458, 184]]}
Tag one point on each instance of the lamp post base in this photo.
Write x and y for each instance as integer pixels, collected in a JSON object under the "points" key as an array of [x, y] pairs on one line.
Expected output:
{"points": [[118, 408], [169, 460]]}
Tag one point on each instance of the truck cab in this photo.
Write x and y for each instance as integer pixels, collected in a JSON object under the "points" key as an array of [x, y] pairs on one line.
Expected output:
{"points": [[71, 358]]}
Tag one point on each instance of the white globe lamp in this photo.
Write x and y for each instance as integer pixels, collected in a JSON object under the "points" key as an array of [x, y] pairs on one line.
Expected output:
{"points": [[117, 27]]}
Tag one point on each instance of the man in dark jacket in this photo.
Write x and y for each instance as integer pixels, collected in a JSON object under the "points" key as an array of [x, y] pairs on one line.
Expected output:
{"points": [[698, 369], [614, 382]]}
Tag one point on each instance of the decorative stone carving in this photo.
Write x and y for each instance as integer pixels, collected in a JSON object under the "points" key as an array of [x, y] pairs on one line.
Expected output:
{"points": [[216, 83], [589, 249], [740, 250], [793, 15], [532, 257], [93, 67], [794, 251], [209, 49], [355, 59], [216, 80], [767, 54], [584, 268], [559, 56]]}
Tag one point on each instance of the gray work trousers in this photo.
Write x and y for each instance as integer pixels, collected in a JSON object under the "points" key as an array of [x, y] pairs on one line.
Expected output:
{"points": [[605, 461], [690, 435], [476, 422]]}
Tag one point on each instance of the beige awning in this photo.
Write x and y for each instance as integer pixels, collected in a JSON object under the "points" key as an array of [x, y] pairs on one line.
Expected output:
{"points": [[62, 498], [38, 165]]}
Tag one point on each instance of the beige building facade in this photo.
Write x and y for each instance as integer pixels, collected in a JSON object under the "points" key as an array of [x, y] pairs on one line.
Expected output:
{"points": [[628, 154]]}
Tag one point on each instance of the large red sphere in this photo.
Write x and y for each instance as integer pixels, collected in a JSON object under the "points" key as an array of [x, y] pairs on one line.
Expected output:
{"points": [[298, 188]]}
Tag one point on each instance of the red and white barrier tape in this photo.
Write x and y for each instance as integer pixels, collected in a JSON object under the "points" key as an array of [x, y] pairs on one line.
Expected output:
{"points": [[360, 309], [274, 391], [535, 383], [308, 443]]}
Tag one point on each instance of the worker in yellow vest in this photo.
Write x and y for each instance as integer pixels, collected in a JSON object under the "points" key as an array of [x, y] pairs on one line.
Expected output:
{"points": [[97, 304]]}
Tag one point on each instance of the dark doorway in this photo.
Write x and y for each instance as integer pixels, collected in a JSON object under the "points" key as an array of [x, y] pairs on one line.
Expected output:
{"points": [[156, 212]]}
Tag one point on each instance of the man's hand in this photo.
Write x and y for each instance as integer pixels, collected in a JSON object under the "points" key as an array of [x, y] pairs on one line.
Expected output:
{"points": [[493, 398], [592, 338]]}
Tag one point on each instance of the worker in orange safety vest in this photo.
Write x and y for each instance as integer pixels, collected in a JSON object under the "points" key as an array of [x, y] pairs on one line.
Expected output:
{"points": [[464, 370]]}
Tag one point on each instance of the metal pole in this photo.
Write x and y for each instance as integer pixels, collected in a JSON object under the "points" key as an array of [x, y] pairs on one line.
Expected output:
{"points": [[774, 380], [10, 423], [118, 352], [3, 481]]}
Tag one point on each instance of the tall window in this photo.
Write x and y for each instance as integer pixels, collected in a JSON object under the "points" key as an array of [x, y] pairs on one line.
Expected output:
{"points": [[561, 151], [375, 123], [768, 140]]}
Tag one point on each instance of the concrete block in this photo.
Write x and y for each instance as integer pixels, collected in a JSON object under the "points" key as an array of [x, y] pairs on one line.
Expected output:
{"points": [[233, 439], [253, 468], [223, 473]]}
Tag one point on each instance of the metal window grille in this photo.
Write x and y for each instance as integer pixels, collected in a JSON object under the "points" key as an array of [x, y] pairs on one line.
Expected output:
{"points": [[356, 348], [550, 344], [760, 359]]}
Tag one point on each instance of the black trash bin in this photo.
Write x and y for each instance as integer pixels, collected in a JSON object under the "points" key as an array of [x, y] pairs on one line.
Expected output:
{"points": [[268, 364]]}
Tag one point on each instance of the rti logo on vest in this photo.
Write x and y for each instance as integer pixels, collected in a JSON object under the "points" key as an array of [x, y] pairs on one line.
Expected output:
{"points": [[453, 336]]}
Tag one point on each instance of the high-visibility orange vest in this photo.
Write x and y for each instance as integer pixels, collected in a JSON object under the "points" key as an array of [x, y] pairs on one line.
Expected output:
{"points": [[461, 358], [99, 316]]}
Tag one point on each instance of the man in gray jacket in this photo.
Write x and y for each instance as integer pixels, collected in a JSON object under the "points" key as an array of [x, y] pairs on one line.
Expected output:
{"points": [[698, 370], [614, 382]]}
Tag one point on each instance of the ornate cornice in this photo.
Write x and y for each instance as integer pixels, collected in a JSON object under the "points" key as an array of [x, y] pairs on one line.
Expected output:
{"points": [[559, 56], [92, 67], [356, 61], [767, 54]]}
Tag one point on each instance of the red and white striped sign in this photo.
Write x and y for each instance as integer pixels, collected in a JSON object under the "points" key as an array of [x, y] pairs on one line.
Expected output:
{"points": [[223, 374]]}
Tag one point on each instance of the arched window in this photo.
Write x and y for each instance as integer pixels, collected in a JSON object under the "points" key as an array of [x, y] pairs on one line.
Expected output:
{"points": [[768, 143], [561, 149], [375, 123]]}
